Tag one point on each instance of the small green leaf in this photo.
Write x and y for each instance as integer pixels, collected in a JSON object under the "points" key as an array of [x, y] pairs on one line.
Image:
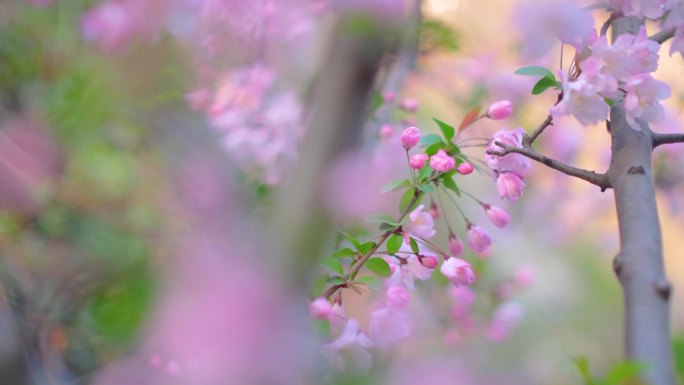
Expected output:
{"points": [[451, 185], [376, 102], [351, 239], [369, 280], [394, 243], [332, 281], [406, 199], [387, 227], [535, 71], [430, 139], [624, 371], [378, 266], [582, 364], [447, 130], [426, 188], [342, 253], [334, 265], [432, 149], [414, 246], [366, 247], [543, 84], [395, 184], [382, 218], [609, 101]]}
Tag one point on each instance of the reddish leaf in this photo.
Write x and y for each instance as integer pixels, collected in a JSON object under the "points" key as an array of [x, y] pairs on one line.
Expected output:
{"points": [[470, 117]]}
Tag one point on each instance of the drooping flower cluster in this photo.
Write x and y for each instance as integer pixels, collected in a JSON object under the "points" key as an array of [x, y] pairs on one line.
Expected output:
{"points": [[511, 169]]}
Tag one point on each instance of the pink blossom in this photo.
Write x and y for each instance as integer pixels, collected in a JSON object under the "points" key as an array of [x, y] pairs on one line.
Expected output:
{"points": [[581, 99], [409, 105], [441, 162], [386, 131], [505, 319], [478, 239], [320, 308], [388, 96], [514, 163], [652, 9], [429, 261], [455, 246], [497, 216], [629, 55], [523, 277], [641, 99], [435, 212], [405, 270], [389, 326], [500, 110], [465, 168], [510, 186], [417, 161], [458, 271], [410, 137], [352, 345], [420, 223], [397, 297]]}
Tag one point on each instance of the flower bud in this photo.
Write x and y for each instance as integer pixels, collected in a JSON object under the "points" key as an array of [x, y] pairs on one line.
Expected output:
{"points": [[441, 162], [497, 216], [455, 246], [429, 261], [458, 271], [410, 137], [465, 168], [409, 105], [435, 212], [510, 186], [417, 161], [386, 131], [500, 110], [320, 308], [478, 239]]}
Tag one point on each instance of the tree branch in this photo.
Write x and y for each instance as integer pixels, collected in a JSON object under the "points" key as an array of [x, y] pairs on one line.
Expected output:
{"points": [[663, 35], [600, 180], [528, 140], [659, 139]]}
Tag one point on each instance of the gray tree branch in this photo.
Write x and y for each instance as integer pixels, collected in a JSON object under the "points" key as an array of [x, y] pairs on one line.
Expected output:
{"points": [[660, 139]]}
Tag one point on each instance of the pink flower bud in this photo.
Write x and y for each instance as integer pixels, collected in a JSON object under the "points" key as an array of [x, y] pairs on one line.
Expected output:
{"points": [[497, 216], [409, 105], [510, 186], [388, 97], [523, 277], [397, 297], [465, 168], [429, 261], [458, 271], [435, 212], [417, 161], [321, 308], [455, 246], [500, 110], [386, 131], [478, 239], [410, 137], [441, 162]]}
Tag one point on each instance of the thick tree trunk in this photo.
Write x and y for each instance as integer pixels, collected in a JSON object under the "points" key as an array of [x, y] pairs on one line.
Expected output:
{"points": [[639, 265]]}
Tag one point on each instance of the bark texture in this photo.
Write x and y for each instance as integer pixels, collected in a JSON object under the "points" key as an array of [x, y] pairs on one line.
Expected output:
{"points": [[639, 264]]}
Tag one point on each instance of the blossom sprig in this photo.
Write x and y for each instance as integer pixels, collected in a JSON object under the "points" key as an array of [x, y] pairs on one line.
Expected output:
{"points": [[404, 251]]}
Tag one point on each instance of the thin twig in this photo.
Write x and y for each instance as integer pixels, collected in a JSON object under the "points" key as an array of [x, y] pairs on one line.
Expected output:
{"points": [[600, 180], [663, 35]]}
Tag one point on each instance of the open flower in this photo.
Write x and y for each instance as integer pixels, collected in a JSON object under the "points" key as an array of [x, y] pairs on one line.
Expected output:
{"points": [[420, 223], [351, 345], [458, 271]]}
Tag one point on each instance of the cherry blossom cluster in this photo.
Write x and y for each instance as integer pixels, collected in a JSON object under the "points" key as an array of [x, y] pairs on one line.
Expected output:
{"points": [[511, 169], [405, 252]]}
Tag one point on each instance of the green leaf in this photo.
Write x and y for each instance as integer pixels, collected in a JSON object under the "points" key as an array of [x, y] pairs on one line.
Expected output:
{"points": [[406, 199], [369, 280], [543, 84], [395, 184], [426, 188], [447, 130], [451, 185], [378, 266], [351, 239], [432, 149], [624, 371], [535, 71], [430, 139], [376, 102], [366, 247], [414, 246], [435, 34], [334, 265], [394, 243], [582, 364], [387, 227], [342, 253], [336, 280], [609, 101], [382, 218]]}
